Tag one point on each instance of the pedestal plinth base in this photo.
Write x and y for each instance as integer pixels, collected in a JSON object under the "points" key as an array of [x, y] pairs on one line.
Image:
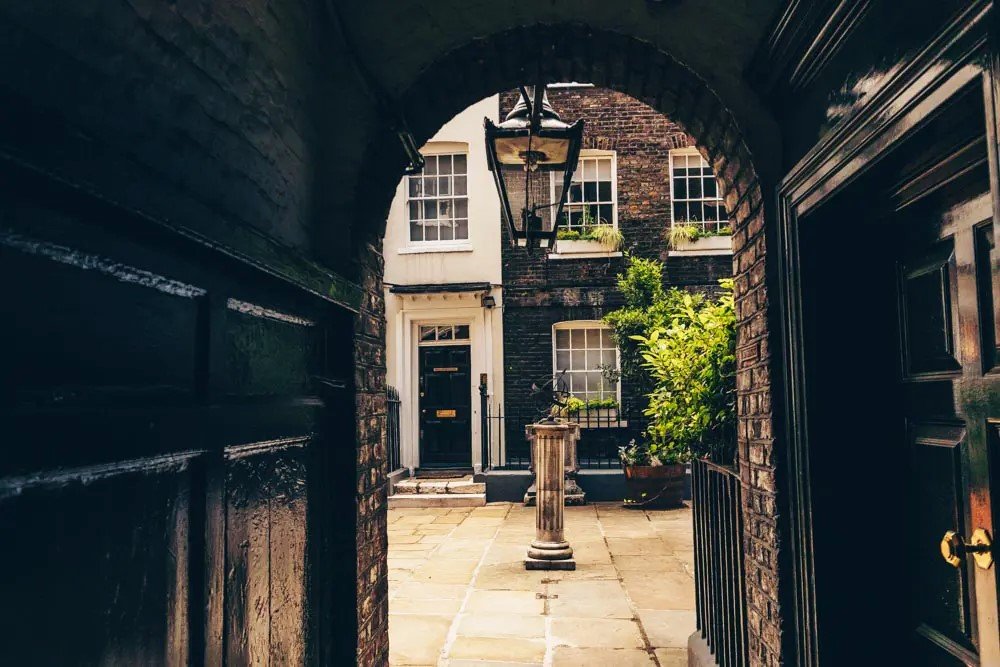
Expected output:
{"points": [[550, 556], [537, 564]]}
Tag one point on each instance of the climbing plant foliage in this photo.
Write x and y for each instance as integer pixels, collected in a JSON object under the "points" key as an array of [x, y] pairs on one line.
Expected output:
{"points": [[678, 347]]}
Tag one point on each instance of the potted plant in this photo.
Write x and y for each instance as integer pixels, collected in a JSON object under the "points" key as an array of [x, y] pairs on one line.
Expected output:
{"points": [[678, 351], [686, 236], [594, 234], [594, 413], [654, 475]]}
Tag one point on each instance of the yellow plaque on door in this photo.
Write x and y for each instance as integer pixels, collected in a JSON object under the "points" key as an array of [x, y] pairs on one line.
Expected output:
{"points": [[446, 369], [446, 413]]}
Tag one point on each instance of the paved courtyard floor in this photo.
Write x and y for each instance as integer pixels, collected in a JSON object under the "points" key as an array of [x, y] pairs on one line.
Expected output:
{"points": [[459, 594]]}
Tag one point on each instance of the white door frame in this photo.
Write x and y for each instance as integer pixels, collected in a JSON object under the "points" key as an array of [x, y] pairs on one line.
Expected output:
{"points": [[408, 321]]}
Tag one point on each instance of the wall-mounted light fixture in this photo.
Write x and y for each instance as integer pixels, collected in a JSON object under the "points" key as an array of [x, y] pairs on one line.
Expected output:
{"points": [[489, 301]]}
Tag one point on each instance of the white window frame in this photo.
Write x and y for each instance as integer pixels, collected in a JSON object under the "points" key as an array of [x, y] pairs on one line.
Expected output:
{"points": [[719, 199], [441, 342], [570, 325], [594, 154], [453, 243]]}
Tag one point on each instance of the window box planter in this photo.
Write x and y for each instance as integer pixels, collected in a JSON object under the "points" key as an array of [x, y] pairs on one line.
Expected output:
{"points": [[577, 247], [596, 418], [707, 245], [655, 486]]}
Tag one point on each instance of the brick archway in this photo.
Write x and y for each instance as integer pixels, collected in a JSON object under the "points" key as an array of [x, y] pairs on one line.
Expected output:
{"points": [[573, 52]]}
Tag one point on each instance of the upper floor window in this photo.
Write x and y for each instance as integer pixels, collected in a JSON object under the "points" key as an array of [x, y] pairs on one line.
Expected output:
{"points": [[581, 353], [695, 194], [593, 194], [438, 201]]}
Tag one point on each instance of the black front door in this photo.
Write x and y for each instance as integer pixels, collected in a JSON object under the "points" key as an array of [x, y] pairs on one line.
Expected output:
{"points": [[947, 280], [445, 407], [901, 326]]}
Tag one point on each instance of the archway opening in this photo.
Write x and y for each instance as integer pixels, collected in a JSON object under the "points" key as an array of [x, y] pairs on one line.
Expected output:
{"points": [[472, 324]]}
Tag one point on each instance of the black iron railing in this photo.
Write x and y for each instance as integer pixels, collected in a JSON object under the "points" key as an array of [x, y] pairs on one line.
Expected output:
{"points": [[392, 428], [719, 561], [602, 432]]}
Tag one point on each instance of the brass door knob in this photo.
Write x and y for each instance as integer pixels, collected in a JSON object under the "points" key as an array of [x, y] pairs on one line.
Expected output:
{"points": [[954, 548]]}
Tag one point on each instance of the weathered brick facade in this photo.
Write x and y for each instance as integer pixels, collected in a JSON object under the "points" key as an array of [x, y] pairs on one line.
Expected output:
{"points": [[539, 291], [372, 543]]}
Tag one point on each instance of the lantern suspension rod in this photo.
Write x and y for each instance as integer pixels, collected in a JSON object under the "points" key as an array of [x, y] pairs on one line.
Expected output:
{"points": [[527, 98], [536, 108]]}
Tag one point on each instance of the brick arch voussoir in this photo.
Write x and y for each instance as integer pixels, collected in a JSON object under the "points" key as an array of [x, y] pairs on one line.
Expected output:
{"points": [[578, 52]]}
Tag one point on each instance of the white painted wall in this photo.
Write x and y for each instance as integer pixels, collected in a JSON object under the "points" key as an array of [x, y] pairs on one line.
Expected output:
{"points": [[479, 259], [475, 260]]}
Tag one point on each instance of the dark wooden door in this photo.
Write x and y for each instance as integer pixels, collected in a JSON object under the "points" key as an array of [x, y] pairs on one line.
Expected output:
{"points": [[445, 406], [178, 471], [947, 291]]}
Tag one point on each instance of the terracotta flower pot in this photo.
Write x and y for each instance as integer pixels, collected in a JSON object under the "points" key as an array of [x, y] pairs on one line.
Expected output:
{"points": [[655, 486]]}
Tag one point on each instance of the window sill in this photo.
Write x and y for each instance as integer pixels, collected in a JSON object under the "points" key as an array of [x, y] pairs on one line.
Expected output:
{"points": [[600, 254], [710, 245], [435, 247]]}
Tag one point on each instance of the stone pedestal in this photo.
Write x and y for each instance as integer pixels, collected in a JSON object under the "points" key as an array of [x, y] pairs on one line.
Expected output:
{"points": [[550, 550], [574, 494]]}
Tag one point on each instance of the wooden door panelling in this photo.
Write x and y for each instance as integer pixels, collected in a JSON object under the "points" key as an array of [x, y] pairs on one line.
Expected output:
{"points": [[163, 433]]}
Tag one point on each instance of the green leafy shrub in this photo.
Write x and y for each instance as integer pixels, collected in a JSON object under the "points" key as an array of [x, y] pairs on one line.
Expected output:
{"points": [[678, 350], [647, 306], [692, 360]]}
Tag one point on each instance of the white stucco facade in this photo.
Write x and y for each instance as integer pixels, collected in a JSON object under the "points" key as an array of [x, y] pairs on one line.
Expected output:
{"points": [[444, 282]]}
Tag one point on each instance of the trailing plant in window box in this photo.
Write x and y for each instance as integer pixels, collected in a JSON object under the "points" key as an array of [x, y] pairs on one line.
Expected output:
{"points": [[681, 234], [575, 406]]}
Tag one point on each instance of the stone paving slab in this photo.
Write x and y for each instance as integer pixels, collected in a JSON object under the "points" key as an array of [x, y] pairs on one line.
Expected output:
{"points": [[459, 594]]}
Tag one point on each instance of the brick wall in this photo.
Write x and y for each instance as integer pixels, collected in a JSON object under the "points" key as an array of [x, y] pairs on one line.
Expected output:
{"points": [[372, 541], [539, 292], [195, 111]]}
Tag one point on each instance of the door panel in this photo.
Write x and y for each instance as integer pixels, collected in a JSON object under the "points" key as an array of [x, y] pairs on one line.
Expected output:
{"points": [[445, 406], [928, 310], [169, 488], [943, 603], [947, 341]]}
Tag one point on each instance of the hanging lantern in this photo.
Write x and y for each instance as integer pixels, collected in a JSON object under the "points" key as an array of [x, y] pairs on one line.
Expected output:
{"points": [[533, 155]]}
